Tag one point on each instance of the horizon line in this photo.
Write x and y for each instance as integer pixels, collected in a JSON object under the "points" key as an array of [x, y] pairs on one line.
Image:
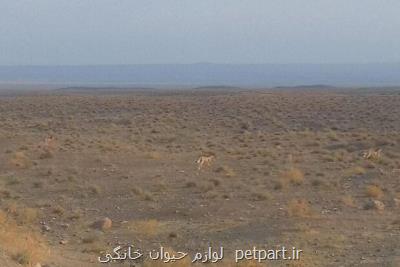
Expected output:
{"points": [[198, 63]]}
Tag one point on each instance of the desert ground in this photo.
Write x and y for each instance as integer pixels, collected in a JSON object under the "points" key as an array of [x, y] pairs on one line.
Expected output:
{"points": [[82, 172]]}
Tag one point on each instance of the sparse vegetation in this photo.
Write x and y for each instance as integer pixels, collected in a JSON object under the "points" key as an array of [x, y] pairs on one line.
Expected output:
{"points": [[147, 228], [21, 242], [358, 170], [294, 176], [374, 191], [348, 201], [299, 208], [286, 164], [226, 171], [21, 160]]}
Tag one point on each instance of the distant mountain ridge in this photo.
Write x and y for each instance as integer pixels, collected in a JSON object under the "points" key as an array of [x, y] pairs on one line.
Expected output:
{"points": [[206, 74]]}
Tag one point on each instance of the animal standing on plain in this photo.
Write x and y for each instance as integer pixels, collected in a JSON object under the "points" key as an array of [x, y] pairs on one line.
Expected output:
{"points": [[48, 143], [372, 154], [204, 161]]}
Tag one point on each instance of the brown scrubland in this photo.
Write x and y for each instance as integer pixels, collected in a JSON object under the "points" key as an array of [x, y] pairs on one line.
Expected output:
{"points": [[84, 172]]}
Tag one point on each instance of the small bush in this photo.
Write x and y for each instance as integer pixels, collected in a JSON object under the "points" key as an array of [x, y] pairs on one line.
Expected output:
{"points": [[348, 201], [374, 191], [358, 170], [145, 227], [299, 208], [295, 176]]}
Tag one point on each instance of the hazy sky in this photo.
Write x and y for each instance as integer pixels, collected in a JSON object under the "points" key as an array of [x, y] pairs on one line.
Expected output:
{"points": [[189, 31]]}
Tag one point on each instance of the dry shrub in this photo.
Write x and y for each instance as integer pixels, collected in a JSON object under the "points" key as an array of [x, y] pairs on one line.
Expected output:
{"points": [[94, 189], [21, 243], [13, 180], [147, 228], [145, 195], [20, 160], [264, 153], [294, 175], [27, 215], [339, 156], [226, 171], [22, 215], [46, 154], [358, 170], [190, 184], [374, 191], [261, 196], [348, 201], [280, 184], [332, 135], [205, 186], [299, 208], [94, 243], [91, 238], [95, 248], [318, 182], [58, 210], [153, 155]]}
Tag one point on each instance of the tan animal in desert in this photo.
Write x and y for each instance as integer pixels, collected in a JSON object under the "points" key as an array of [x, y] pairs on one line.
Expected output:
{"points": [[204, 161], [372, 154], [48, 144]]}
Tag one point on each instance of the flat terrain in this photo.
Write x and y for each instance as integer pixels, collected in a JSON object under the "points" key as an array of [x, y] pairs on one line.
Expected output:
{"points": [[288, 169]]}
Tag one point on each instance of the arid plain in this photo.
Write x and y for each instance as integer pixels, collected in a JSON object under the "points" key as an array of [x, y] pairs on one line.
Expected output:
{"points": [[83, 171]]}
